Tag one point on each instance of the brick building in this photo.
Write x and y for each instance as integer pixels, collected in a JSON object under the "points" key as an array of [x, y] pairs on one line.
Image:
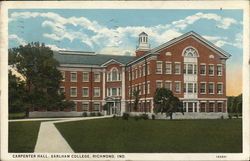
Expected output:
{"points": [[189, 65]]}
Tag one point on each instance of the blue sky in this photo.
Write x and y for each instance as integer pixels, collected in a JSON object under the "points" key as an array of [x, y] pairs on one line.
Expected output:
{"points": [[112, 31]]}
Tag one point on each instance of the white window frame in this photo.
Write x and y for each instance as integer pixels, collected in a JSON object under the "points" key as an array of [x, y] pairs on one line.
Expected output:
{"points": [[179, 82], [209, 68], [85, 103], [98, 90], [209, 106], [87, 92], [205, 88], [209, 88], [168, 81], [219, 83], [218, 106], [98, 80], [219, 65], [148, 88], [148, 68], [71, 80], [170, 72], [159, 81], [71, 92], [179, 63], [205, 69], [95, 103], [160, 71], [83, 80]]}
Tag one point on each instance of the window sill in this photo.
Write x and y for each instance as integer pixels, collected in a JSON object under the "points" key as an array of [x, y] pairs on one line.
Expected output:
{"points": [[73, 96]]}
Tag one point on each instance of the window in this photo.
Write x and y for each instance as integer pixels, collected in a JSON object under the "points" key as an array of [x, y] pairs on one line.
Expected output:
{"points": [[119, 91], [114, 74], [190, 52], [190, 106], [190, 69], [184, 69], [219, 107], [211, 70], [177, 68], [148, 89], [158, 84], [211, 107], [85, 77], [169, 85], [177, 87], [168, 68], [203, 69], [129, 75], [85, 107], [96, 92], [62, 90], [211, 88], [148, 69], [195, 69], [219, 70], [109, 76], [195, 87], [63, 75], [203, 88], [73, 92], [73, 77], [85, 91], [97, 77], [203, 107], [74, 108], [96, 107], [185, 88], [158, 67], [114, 92], [219, 88], [190, 87]]}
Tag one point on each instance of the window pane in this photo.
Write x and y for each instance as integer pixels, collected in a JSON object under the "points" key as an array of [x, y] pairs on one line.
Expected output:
{"points": [[190, 68], [203, 69]]}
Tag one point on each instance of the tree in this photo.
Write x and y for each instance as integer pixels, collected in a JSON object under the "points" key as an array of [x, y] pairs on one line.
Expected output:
{"points": [[17, 93], [137, 98], [36, 64], [167, 103], [235, 104]]}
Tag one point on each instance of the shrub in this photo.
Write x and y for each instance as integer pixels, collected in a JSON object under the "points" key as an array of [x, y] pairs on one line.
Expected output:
{"points": [[222, 117], [92, 114], [230, 116], [114, 116], [153, 117], [125, 116], [144, 116], [84, 114], [137, 118], [99, 114]]}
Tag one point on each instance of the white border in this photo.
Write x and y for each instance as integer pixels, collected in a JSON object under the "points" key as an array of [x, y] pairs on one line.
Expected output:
{"points": [[129, 5]]}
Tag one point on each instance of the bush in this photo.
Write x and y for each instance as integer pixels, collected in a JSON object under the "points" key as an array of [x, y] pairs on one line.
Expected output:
{"points": [[114, 116], [137, 118], [222, 117], [125, 116], [144, 116], [84, 114], [153, 117], [99, 114], [92, 114], [230, 116]]}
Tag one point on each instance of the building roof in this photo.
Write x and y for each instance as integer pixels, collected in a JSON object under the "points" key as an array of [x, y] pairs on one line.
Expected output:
{"points": [[87, 59], [143, 33]]}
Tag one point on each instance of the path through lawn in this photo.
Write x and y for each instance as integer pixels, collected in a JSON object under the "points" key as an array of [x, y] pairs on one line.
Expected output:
{"points": [[177, 136]]}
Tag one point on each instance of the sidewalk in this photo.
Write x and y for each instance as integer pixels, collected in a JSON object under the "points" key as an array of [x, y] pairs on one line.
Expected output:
{"points": [[50, 139]]}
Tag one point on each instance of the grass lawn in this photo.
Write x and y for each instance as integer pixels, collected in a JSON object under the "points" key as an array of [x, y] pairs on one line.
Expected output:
{"points": [[176, 136], [23, 136]]}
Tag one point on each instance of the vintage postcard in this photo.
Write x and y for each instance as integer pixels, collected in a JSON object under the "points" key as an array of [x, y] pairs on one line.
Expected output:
{"points": [[117, 80]]}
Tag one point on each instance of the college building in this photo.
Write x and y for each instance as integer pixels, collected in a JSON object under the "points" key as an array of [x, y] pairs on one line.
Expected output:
{"points": [[190, 66]]}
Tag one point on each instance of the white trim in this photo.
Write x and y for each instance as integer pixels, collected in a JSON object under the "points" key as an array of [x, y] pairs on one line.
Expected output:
{"points": [[99, 80], [183, 51], [83, 77], [71, 77], [87, 92], [156, 72], [205, 69], [175, 87], [213, 69], [179, 68], [219, 65], [71, 92], [109, 61], [205, 87], [99, 92], [63, 76], [76, 52], [221, 83], [168, 62], [209, 88], [168, 81]]}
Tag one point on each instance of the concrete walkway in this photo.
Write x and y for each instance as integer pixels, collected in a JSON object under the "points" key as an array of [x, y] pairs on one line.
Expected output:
{"points": [[50, 139]]}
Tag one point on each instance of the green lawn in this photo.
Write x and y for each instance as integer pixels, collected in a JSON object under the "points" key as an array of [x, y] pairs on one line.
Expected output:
{"points": [[19, 115], [177, 136], [23, 136]]}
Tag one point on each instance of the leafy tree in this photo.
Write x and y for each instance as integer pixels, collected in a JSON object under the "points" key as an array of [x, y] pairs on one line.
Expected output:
{"points": [[167, 103], [137, 98], [36, 64], [235, 104], [17, 93]]}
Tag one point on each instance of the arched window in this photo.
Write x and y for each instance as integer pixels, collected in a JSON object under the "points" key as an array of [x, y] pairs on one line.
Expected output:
{"points": [[114, 74], [190, 52]]}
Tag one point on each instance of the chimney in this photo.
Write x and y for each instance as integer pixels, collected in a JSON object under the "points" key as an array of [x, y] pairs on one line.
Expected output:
{"points": [[143, 45]]}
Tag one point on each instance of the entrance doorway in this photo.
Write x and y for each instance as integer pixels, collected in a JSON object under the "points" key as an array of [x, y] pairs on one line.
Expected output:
{"points": [[113, 108]]}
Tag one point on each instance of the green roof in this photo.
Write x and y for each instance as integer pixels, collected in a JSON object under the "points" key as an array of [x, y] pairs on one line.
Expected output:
{"points": [[86, 59]]}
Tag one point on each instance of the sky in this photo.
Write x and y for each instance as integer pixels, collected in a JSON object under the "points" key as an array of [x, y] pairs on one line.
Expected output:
{"points": [[115, 31]]}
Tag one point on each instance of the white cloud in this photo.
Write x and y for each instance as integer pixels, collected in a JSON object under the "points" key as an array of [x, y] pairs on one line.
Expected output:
{"points": [[237, 41], [54, 47], [18, 39], [116, 51], [118, 37]]}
